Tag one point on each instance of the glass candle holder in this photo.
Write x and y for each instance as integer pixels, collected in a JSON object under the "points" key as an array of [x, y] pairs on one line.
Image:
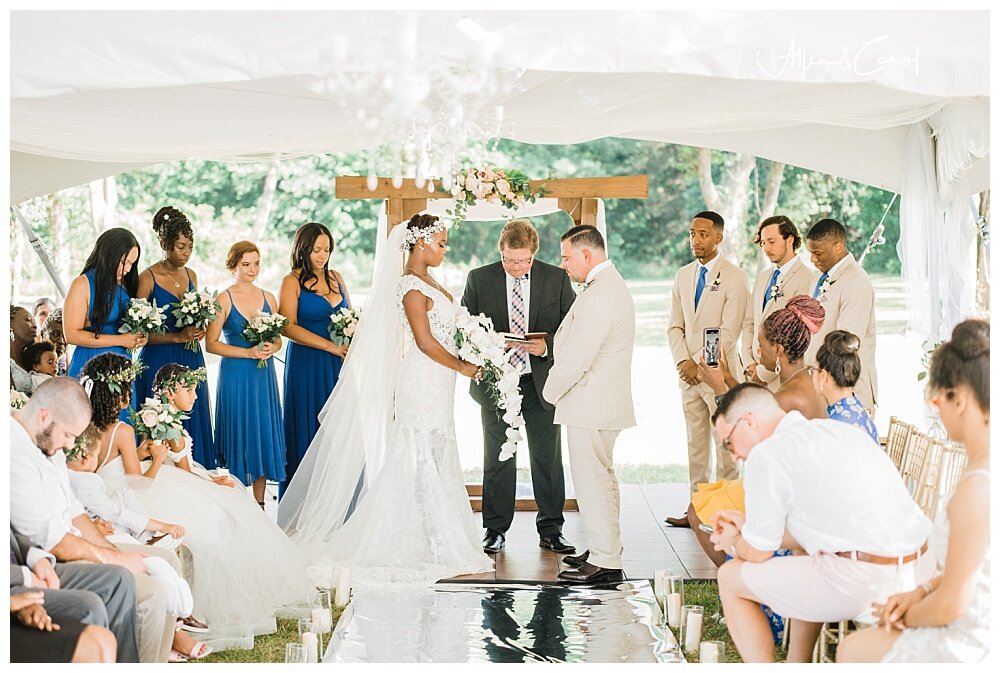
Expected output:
{"points": [[295, 653], [673, 599], [309, 637], [320, 611], [711, 652], [692, 617]]}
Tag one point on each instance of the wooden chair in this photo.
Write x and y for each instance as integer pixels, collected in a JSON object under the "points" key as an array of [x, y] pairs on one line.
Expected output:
{"points": [[925, 489], [914, 456], [895, 441], [950, 464]]}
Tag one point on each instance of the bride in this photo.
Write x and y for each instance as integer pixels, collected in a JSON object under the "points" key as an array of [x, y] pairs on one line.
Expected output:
{"points": [[380, 489]]}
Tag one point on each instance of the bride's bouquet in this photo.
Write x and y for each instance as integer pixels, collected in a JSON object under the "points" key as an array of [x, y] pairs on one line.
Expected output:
{"points": [[159, 420], [481, 345], [143, 317], [263, 328], [343, 324], [196, 309]]}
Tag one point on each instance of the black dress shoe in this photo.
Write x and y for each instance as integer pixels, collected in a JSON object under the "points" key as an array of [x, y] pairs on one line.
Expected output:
{"points": [[678, 521], [493, 542], [557, 543], [578, 560], [591, 574]]}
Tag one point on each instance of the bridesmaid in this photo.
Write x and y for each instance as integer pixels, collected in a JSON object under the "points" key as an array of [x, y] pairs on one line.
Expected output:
{"points": [[97, 299], [247, 409], [166, 282], [309, 295]]}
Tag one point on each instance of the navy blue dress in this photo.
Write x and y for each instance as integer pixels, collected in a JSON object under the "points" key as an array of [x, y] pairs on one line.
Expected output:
{"points": [[84, 354], [154, 356], [248, 429], [310, 375]]}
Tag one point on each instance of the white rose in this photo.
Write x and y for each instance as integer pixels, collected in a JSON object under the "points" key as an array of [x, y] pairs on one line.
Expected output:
{"points": [[489, 174], [472, 184], [503, 187], [149, 417]]}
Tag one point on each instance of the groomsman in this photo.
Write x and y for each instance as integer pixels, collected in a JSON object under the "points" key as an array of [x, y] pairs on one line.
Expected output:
{"points": [[591, 386], [779, 238], [710, 292], [848, 297], [521, 294]]}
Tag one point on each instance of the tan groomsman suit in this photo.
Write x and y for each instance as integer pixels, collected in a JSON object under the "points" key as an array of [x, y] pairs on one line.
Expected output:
{"points": [[793, 278], [723, 304], [849, 300], [590, 384]]}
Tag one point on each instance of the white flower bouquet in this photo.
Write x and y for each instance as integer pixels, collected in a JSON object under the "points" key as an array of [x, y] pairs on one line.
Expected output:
{"points": [[196, 309], [158, 419], [481, 345], [511, 187], [143, 317], [263, 328], [343, 325], [17, 399]]}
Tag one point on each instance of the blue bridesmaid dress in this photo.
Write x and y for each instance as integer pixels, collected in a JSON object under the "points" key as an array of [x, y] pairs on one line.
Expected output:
{"points": [[248, 431], [84, 354], [310, 376], [154, 356]]}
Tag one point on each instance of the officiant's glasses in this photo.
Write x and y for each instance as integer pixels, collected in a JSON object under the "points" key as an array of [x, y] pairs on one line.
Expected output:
{"points": [[517, 262]]}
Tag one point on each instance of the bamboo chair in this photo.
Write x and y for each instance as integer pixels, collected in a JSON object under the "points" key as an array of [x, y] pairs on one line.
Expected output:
{"points": [[895, 441], [925, 491], [915, 454]]}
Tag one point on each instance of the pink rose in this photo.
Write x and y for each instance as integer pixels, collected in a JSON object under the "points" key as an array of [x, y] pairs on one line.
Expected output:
{"points": [[148, 417]]}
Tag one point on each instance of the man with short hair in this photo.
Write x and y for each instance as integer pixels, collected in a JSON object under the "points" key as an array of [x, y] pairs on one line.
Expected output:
{"points": [[41, 310], [848, 298], [710, 292], [590, 385], [522, 294], [820, 486], [44, 510], [787, 277]]}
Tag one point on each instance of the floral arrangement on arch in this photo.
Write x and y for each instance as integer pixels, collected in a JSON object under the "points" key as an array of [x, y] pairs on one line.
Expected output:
{"points": [[511, 187]]}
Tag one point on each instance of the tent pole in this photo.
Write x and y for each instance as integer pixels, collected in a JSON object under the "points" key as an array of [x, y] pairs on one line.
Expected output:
{"points": [[876, 237], [39, 247]]}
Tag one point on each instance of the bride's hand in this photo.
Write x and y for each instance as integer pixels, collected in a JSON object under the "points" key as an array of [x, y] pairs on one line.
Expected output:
{"points": [[471, 370]]}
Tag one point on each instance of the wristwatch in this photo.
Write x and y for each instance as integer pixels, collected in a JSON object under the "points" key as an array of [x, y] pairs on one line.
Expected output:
{"points": [[718, 398]]}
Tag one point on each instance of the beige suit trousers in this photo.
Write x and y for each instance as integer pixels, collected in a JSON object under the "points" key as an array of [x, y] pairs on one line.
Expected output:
{"points": [[591, 462], [156, 625], [699, 405]]}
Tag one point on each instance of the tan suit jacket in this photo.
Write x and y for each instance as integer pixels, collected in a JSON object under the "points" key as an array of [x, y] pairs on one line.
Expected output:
{"points": [[800, 279], [590, 382], [849, 302], [723, 304]]}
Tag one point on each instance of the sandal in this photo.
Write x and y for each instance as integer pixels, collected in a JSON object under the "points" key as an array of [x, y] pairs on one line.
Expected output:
{"points": [[176, 657], [199, 651]]}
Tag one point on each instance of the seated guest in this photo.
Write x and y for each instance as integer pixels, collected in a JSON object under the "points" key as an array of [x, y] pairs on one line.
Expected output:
{"points": [[838, 368], [948, 618], [53, 331], [40, 358], [44, 509], [22, 335], [822, 487], [43, 308], [35, 637]]}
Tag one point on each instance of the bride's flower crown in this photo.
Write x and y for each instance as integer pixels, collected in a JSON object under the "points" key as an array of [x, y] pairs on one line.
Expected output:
{"points": [[425, 234]]}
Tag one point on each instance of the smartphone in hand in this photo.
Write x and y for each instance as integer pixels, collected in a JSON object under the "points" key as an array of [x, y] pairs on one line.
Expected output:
{"points": [[713, 339]]}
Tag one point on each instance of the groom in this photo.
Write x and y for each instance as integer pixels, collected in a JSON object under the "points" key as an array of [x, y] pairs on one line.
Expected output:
{"points": [[591, 386], [521, 294]]}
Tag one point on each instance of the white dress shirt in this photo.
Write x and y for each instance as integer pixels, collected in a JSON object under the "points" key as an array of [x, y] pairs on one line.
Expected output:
{"points": [[526, 293], [596, 270]]}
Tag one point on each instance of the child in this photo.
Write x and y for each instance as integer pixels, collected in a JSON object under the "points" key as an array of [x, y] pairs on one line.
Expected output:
{"points": [[53, 331], [42, 362]]}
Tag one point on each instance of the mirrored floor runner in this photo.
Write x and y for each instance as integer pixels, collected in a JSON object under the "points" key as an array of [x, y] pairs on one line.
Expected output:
{"points": [[504, 623]]}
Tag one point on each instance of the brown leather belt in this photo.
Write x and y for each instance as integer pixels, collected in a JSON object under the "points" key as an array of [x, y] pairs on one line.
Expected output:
{"points": [[884, 560]]}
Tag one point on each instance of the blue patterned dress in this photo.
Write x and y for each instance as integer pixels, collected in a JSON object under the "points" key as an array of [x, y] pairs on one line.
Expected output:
{"points": [[248, 429], [850, 410], [154, 356], [84, 354], [310, 375]]}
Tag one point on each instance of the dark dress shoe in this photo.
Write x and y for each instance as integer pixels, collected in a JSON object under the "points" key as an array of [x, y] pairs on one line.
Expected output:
{"points": [[678, 521], [493, 542], [578, 560], [591, 574], [556, 543]]}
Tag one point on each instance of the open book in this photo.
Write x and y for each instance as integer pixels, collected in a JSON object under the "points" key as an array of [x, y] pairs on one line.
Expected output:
{"points": [[523, 338]]}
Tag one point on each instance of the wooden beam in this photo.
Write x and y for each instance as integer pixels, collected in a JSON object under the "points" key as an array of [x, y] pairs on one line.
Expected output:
{"points": [[617, 187], [572, 207], [355, 187], [588, 212]]}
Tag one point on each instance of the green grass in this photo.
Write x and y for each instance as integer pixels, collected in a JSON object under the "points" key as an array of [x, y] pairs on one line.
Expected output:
{"points": [[269, 649]]}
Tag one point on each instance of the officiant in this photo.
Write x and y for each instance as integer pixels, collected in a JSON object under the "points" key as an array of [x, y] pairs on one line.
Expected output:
{"points": [[522, 295]]}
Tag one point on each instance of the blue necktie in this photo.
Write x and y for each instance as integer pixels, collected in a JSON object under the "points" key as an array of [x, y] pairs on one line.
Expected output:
{"points": [[819, 284], [700, 287], [770, 284]]}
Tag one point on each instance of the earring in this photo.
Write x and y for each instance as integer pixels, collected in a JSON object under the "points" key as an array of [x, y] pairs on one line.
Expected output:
{"points": [[777, 366]]}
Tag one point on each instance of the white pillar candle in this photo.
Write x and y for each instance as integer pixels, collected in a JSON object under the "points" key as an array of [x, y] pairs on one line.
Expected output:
{"points": [[342, 592], [311, 644], [321, 620], [709, 653], [692, 632], [673, 609]]}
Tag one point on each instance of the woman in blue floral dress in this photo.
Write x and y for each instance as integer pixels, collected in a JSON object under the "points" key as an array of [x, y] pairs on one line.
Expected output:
{"points": [[839, 367]]}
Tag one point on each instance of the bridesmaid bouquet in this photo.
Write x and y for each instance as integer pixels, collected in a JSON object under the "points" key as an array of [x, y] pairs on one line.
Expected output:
{"points": [[17, 399], [263, 328], [143, 317], [343, 324], [158, 419], [481, 345], [196, 309]]}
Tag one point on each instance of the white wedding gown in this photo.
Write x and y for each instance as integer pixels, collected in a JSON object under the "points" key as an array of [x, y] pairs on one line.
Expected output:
{"points": [[246, 571], [414, 525]]}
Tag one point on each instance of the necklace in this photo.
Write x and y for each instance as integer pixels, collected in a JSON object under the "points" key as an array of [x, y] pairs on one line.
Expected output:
{"points": [[163, 268], [801, 369], [427, 278]]}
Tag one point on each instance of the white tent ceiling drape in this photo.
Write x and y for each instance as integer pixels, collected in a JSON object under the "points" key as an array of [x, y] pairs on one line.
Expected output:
{"points": [[853, 94]]}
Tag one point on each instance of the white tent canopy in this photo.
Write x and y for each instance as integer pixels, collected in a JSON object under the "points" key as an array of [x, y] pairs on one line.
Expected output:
{"points": [[854, 94]]}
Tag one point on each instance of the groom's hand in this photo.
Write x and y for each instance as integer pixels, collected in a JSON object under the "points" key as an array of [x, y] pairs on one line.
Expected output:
{"points": [[535, 347]]}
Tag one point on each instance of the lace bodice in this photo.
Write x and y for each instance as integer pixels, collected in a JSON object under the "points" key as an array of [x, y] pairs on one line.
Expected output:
{"points": [[441, 315]]}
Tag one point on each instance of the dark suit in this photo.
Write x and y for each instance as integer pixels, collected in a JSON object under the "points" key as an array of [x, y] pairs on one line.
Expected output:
{"points": [[550, 297]]}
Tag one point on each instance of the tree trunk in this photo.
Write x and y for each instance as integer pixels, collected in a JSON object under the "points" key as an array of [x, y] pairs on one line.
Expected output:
{"points": [[59, 227], [730, 201], [772, 190], [983, 259], [266, 202], [110, 188], [103, 202], [16, 258]]}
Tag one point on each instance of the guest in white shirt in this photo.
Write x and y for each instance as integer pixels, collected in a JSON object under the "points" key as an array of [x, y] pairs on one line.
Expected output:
{"points": [[823, 487]]}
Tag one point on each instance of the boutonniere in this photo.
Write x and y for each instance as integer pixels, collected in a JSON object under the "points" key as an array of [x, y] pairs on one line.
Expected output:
{"points": [[717, 283], [775, 293], [827, 284]]}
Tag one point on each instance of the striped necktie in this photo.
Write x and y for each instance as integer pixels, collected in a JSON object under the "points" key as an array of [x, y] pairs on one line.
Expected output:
{"points": [[518, 324]]}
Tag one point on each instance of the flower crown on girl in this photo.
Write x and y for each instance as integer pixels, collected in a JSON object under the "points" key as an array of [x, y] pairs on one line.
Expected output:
{"points": [[114, 380], [185, 378]]}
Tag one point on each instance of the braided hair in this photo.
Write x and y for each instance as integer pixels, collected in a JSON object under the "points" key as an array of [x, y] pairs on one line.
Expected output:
{"points": [[105, 403], [964, 361], [792, 327], [169, 225]]}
